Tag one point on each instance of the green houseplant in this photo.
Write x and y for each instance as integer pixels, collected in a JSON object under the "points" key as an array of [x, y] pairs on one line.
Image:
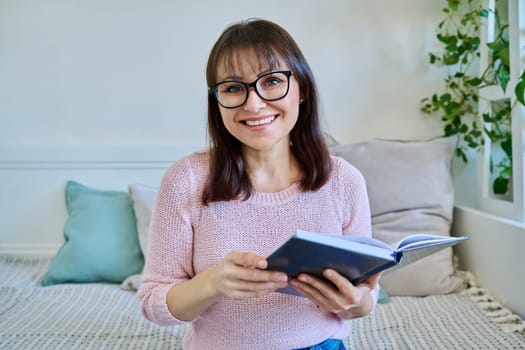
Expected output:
{"points": [[457, 105]]}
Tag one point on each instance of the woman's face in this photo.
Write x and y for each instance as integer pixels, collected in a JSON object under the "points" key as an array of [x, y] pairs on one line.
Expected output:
{"points": [[260, 124]]}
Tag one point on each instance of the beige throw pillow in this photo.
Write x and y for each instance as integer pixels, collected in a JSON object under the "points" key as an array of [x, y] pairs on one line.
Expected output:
{"points": [[143, 199], [410, 188]]}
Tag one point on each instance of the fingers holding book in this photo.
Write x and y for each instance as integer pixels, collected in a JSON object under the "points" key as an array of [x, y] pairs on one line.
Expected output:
{"points": [[339, 295], [242, 275]]}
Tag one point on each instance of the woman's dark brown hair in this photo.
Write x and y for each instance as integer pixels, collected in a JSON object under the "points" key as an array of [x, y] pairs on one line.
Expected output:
{"points": [[228, 178]]}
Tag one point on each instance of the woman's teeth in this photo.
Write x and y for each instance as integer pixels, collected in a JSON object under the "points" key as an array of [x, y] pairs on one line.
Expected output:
{"points": [[260, 121]]}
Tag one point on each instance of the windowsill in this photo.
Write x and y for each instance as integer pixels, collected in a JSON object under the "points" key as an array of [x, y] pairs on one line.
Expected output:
{"points": [[494, 253], [491, 217]]}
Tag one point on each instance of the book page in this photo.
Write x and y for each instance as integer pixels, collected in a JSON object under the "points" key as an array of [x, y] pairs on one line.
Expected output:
{"points": [[419, 240], [366, 240], [420, 246]]}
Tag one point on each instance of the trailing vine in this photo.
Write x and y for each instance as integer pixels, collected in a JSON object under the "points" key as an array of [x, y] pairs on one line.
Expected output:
{"points": [[459, 35]]}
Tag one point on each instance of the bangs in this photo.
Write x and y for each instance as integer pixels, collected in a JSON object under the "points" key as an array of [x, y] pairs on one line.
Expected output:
{"points": [[234, 59], [267, 45]]}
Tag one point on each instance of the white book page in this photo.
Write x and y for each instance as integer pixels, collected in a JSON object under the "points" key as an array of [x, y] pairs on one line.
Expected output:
{"points": [[368, 241], [421, 240], [368, 244]]}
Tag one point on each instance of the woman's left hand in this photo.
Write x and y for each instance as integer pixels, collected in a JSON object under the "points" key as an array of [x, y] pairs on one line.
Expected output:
{"points": [[341, 297]]}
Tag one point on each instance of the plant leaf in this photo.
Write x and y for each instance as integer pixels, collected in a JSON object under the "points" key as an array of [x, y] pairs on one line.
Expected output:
{"points": [[453, 5], [461, 154], [450, 60], [504, 54], [506, 145], [519, 90], [450, 130], [504, 77], [444, 39], [500, 185], [487, 118], [474, 81], [445, 97]]}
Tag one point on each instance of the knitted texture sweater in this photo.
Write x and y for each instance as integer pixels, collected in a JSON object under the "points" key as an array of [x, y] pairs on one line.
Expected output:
{"points": [[187, 237]]}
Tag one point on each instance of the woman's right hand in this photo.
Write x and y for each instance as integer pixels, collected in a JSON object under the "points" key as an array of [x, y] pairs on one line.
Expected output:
{"points": [[243, 275], [237, 276]]}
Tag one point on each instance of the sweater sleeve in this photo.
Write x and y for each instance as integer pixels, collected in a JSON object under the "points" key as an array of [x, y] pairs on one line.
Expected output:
{"points": [[358, 220], [357, 214], [169, 254]]}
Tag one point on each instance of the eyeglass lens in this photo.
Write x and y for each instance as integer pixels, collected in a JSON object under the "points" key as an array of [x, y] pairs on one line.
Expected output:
{"points": [[271, 87]]}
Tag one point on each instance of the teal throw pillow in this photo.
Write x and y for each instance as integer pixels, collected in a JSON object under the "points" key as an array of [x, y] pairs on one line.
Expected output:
{"points": [[383, 297], [101, 239]]}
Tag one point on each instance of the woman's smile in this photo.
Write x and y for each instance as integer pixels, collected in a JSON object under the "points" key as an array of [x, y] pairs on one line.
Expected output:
{"points": [[265, 120]]}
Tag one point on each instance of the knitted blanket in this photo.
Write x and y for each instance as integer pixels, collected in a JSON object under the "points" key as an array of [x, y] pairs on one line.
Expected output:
{"points": [[103, 316]]}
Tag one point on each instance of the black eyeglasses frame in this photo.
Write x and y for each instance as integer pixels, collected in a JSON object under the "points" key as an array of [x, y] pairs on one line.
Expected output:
{"points": [[213, 88]]}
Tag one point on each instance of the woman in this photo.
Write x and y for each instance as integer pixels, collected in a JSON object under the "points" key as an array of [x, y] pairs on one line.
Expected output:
{"points": [[266, 174]]}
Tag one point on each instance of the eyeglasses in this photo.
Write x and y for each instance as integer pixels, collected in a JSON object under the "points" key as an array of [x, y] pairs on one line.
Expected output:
{"points": [[271, 86]]}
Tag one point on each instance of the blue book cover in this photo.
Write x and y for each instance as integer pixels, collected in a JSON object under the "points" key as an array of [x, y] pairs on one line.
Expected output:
{"points": [[356, 258]]}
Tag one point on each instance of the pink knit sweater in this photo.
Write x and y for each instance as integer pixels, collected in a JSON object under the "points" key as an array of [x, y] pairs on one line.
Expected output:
{"points": [[187, 237]]}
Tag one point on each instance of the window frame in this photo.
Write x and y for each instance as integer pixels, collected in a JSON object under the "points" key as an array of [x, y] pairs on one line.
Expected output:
{"points": [[513, 208]]}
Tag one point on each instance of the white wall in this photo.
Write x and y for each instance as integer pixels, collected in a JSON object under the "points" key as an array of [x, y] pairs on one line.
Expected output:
{"points": [[85, 84], [495, 253], [130, 73]]}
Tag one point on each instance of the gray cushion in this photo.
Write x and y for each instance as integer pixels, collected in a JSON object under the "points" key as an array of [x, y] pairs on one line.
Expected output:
{"points": [[143, 199], [410, 188]]}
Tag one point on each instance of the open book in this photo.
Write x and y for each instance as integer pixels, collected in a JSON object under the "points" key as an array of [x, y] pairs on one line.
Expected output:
{"points": [[356, 258]]}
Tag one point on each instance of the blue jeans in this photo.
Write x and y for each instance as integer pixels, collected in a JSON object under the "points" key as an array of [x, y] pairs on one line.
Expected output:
{"points": [[328, 344]]}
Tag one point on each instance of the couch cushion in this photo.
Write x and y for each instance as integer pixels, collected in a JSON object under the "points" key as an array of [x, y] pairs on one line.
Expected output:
{"points": [[101, 240], [410, 189]]}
